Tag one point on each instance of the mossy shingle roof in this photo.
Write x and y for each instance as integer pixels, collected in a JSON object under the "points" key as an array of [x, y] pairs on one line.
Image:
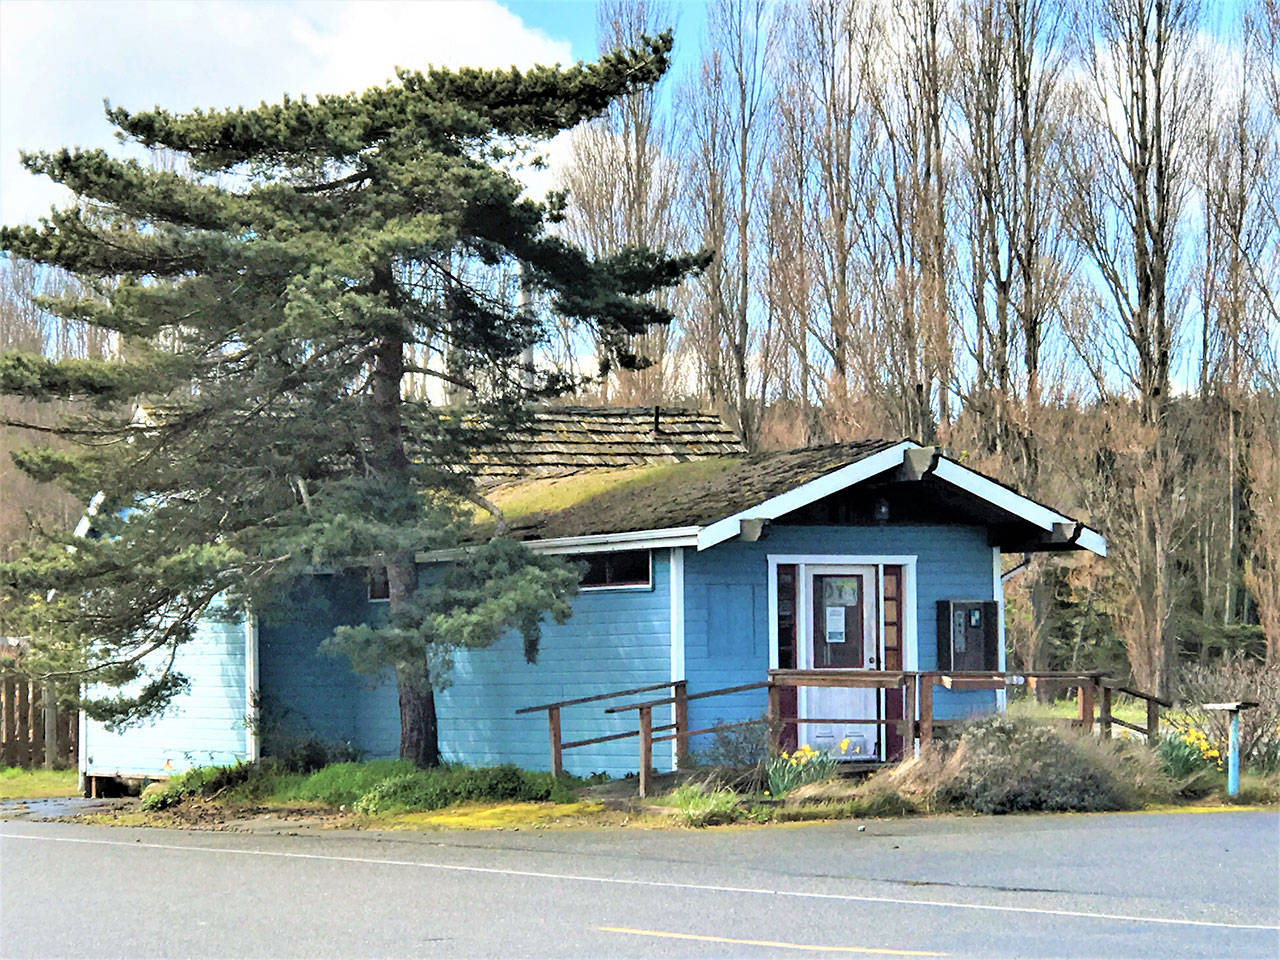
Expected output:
{"points": [[664, 494]]}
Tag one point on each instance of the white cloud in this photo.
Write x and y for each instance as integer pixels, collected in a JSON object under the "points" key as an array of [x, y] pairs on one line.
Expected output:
{"points": [[58, 60]]}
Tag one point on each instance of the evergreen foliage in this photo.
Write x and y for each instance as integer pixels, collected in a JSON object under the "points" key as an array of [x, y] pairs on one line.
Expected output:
{"points": [[270, 306]]}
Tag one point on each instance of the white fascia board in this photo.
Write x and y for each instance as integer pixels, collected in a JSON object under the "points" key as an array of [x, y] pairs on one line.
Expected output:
{"points": [[591, 543], [634, 540], [1014, 503], [805, 494], [1092, 541]]}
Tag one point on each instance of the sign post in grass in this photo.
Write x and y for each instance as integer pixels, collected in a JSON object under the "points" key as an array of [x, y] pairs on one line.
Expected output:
{"points": [[1233, 743]]}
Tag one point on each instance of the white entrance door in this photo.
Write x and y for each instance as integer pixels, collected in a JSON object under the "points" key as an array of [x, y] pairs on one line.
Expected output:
{"points": [[842, 631]]}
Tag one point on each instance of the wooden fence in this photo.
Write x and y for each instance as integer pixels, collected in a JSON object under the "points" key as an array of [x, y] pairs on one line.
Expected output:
{"points": [[34, 731]]}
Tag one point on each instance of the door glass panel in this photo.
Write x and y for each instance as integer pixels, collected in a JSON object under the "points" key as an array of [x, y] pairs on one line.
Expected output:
{"points": [[838, 634]]}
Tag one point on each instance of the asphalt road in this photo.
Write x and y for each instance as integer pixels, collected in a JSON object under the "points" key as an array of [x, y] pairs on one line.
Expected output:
{"points": [[1177, 885]]}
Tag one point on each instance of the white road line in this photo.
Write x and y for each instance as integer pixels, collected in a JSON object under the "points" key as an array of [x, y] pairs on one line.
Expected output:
{"points": [[662, 884]]}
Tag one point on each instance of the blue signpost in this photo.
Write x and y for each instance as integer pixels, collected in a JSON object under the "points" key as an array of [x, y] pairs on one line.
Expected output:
{"points": [[1233, 742]]}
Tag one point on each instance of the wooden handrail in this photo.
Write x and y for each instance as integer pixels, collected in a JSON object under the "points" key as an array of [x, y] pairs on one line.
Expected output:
{"points": [[1137, 694], [601, 696], [839, 677], [1065, 676], [558, 746], [648, 704], [613, 736], [1095, 689]]}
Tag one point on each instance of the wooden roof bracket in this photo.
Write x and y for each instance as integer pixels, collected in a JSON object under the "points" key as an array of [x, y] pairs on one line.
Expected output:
{"points": [[918, 463]]}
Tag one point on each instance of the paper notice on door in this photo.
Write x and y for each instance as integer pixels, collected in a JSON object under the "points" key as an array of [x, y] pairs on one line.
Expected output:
{"points": [[835, 624]]}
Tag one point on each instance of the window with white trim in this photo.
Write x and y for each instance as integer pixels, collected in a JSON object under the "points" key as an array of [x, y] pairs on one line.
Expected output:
{"points": [[615, 569]]}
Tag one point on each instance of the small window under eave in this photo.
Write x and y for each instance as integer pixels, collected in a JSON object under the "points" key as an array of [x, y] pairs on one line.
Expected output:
{"points": [[615, 569]]}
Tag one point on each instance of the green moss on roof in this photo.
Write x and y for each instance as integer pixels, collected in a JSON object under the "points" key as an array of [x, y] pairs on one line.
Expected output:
{"points": [[533, 498], [660, 496]]}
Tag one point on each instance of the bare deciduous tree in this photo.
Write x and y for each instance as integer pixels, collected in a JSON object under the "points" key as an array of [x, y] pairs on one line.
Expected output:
{"points": [[728, 122]]}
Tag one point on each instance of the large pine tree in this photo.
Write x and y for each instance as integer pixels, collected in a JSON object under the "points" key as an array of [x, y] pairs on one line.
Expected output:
{"points": [[271, 304]]}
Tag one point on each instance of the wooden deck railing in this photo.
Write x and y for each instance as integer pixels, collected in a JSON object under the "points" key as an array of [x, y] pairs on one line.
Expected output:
{"points": [[1154, 703], [558, 746], [681, 725], [917, 722]]}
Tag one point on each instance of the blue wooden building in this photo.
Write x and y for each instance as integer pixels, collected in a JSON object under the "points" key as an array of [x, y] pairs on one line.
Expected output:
{"points": [[701, 563]]}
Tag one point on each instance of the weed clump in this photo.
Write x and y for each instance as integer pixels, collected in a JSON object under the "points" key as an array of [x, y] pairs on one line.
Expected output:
{"points": [[374, 786], [704, 804], [445, 786], [1003, 766], [199, 782]]}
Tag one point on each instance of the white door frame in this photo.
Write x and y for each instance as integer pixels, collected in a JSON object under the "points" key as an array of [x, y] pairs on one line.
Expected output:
{"points": [[910, 647], [872, 577]]}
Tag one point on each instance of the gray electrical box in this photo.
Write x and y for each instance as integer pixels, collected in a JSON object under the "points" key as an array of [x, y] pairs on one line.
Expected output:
{"points": [[968, 635]]}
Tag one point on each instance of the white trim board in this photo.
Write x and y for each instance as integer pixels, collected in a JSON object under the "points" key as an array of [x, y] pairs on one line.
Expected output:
{"points": [[590, 543], [855, 473], [675, 587], [997, 586], [252, 720], [1015, 503]]}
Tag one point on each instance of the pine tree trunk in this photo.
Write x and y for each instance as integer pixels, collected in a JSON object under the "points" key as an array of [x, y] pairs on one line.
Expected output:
{"points": [[419, 733]]}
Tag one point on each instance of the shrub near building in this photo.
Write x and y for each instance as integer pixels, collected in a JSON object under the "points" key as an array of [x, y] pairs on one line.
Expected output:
{"points": [[1003, 766]]}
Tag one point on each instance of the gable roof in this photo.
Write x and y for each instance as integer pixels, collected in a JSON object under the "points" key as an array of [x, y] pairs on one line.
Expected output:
{"points": [[706, 500], [666, 495]]}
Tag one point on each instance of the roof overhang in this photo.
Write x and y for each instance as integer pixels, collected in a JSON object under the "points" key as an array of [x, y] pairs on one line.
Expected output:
{"points": [[592, 543], [905, 460], [1060, 531]]}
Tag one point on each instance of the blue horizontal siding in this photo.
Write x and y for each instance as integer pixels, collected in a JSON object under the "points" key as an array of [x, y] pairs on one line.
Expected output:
{"points": [[615, 639], [304, 693], [205, 724]]}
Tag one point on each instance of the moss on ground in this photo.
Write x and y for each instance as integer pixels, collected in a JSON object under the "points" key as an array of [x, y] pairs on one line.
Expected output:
{"points": [[482, 816]]}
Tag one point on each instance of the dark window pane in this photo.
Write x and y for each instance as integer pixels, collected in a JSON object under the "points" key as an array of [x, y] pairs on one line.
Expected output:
{"points": [[379, 586], [625, 568]]}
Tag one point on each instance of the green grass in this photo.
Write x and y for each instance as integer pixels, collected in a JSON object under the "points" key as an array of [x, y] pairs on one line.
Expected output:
{"points": [[1125, 708], [371, 787], [704, 806], [16, 783], [335, 785]]}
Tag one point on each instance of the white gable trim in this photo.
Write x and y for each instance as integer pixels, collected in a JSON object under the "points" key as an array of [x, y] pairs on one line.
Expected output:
{"points": [[1004, 498], [805, 494]]}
